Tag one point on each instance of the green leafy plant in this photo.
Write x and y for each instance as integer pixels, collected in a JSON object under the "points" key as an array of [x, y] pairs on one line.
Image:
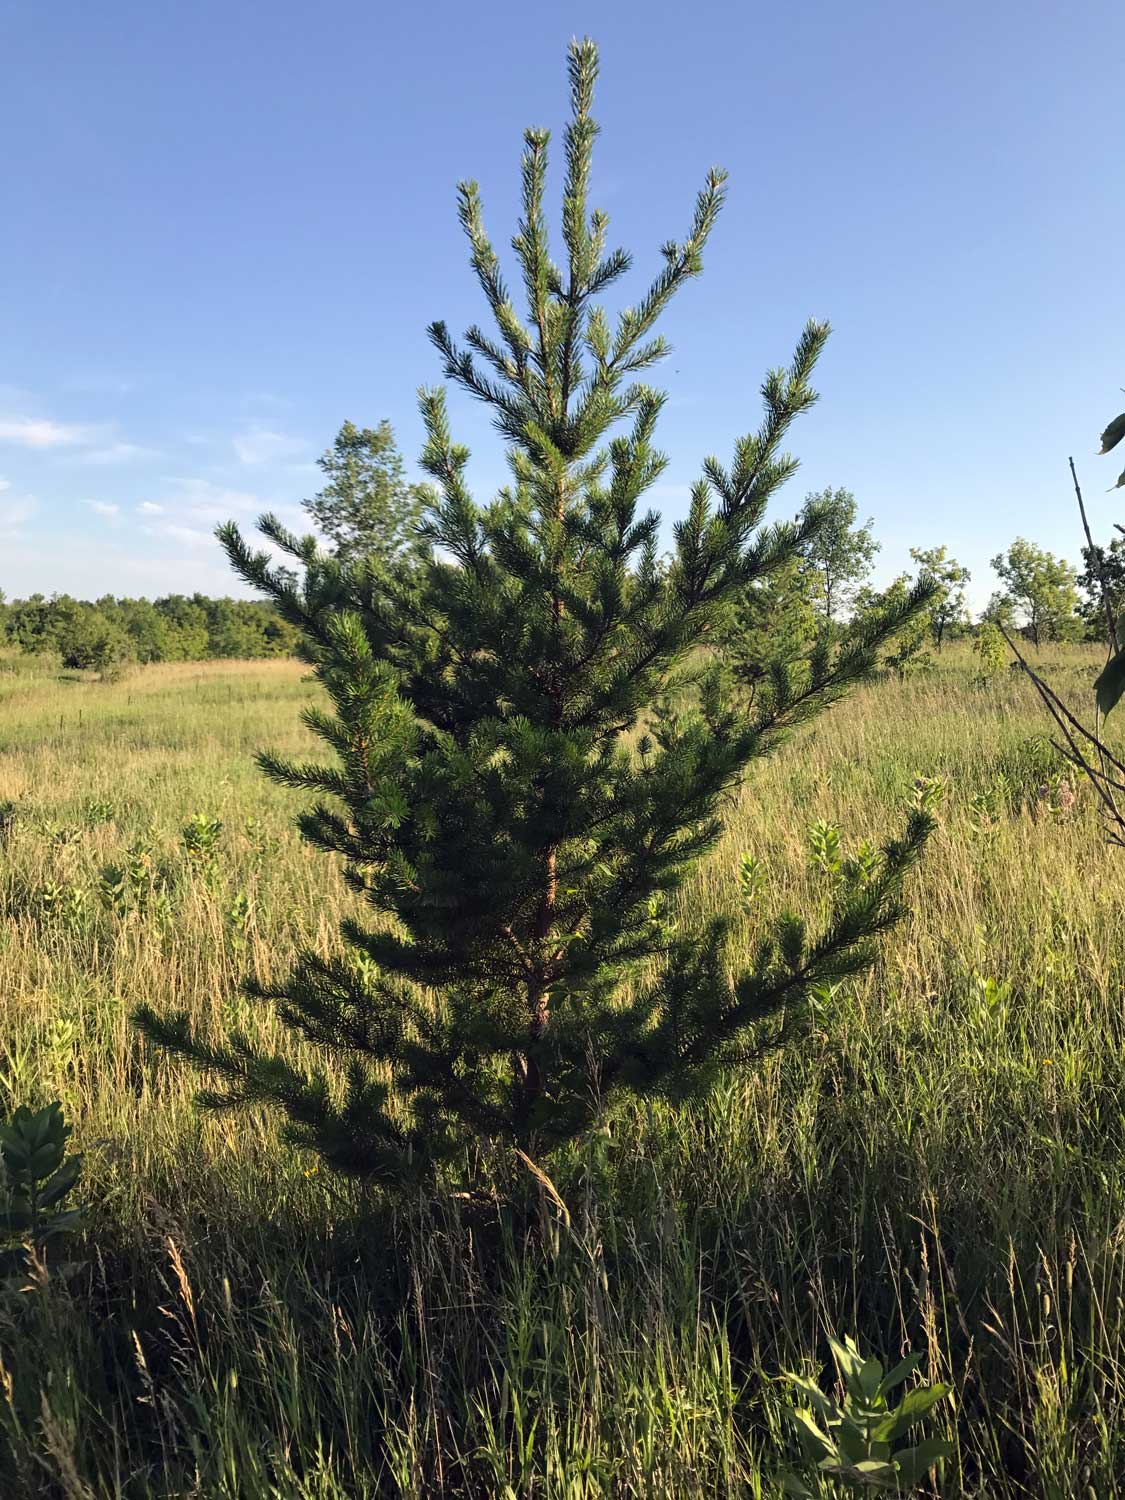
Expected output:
{"points": [[862, 866], [75, 910], [825, 852], [134, 884], [927, 793], [200, 838], [990, 652], [97, 810], [39, 1175], [855, 1441], [753, 878], [237, 921]]}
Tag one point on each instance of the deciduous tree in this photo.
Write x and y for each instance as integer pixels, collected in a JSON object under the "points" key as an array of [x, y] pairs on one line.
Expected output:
{"points": [[1041, 588], [367, 509], [948, 608], [839, 557]]}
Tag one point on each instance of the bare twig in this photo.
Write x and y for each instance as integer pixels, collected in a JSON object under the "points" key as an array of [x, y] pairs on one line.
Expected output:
{"points": [[1095, 554], [1102, 783]]}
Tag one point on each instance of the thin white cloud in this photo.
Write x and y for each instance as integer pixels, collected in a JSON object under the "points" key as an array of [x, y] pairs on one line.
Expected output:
{"points": [[263, 445], [41, 433], [150, 508], [174, 532], [5, 484], [15, 512], [203, 500], [114, 453], [105, 564], [104, 508]]}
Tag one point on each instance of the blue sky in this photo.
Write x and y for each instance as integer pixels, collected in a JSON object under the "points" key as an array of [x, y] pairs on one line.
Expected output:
{"points": [[227, 225]]}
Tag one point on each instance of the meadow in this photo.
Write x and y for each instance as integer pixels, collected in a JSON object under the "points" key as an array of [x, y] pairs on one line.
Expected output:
{"points": [[937, 1164]]}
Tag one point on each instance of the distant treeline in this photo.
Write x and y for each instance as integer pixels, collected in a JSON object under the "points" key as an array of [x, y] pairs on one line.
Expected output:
{"points": [[111, 632]]}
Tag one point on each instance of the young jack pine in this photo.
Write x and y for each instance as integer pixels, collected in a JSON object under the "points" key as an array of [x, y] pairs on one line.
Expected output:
{"points": [[513, 793]]}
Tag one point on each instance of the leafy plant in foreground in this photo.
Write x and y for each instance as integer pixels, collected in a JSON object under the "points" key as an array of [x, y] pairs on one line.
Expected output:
{"points": [[534, 744], [856, 1441], [39, 1175]]}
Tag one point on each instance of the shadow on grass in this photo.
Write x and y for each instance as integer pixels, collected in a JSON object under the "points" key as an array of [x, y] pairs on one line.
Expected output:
{"points": [[448, 1346]]}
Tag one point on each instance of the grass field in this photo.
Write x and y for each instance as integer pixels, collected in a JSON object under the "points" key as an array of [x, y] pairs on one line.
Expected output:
{"points": [[938, 1164]]}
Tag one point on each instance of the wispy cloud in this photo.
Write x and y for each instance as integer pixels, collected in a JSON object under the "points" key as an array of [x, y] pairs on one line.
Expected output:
{"points": [[13, 513], [204, 500], [115, 453], [264, 445], [104, 508], [5, 484], [150, 508], [174, 532], [41, 433]]}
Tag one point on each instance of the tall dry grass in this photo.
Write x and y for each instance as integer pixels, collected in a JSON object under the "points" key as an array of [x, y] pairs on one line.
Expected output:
{"points": [[938, 1164]]}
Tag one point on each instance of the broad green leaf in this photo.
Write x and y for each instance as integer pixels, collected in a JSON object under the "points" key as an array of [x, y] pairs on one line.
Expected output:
{"points": [[811, 1432], [913, 1464], [914, 1405], [1120, 480], [872, 1473], [63, 1223], [875, 1467], [899, 1372], [851, 1441], [825, 1408], [61, 1183], [1113, 433], [870, 1376], [849, 1364], [794, 1486], [1110, 684]]}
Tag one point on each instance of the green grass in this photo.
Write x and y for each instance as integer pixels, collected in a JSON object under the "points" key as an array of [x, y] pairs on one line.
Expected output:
{"points": [[938, 1164]]}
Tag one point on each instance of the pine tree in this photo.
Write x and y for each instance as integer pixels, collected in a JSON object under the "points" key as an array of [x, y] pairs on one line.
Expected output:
{"points": [[772, 622], [533, 743]]}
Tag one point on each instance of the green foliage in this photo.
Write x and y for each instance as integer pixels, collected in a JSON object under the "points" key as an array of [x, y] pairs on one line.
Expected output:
{"points": [[533, 752], [990, 651], [135, 884], [857, 1441], [839, 554], [906, 644], [948, 609], [1110, 684], [38, 1175], [825, 852], [1110, 439], [367, 509], [1102, 576], [753, 878], [107, 635], [1040, 587], [772, 622], [200, 836]]}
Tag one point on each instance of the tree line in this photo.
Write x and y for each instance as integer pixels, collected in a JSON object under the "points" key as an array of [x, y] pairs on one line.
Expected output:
{"points": [[369, 514], [110, 633]]}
